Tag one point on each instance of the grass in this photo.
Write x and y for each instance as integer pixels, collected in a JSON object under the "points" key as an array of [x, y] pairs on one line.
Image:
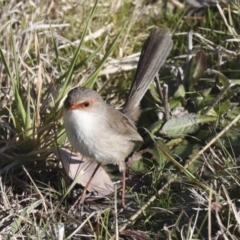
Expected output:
{"points": [[184, 181]]}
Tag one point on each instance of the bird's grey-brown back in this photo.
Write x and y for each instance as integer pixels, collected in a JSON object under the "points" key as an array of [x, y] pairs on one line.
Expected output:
{"points": [[154, 53], [122, 125]]}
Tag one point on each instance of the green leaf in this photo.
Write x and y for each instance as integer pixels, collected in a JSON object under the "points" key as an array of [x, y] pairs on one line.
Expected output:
{"points": [[158, 155], [184, 125], [154, 128], [180, 91], [201, 66], [221, 77], [175, 102], [136, 164], [195, 69]]}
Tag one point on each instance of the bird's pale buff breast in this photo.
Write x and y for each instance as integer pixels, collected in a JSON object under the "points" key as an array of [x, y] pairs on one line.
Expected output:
{"points": [[89, 136]]}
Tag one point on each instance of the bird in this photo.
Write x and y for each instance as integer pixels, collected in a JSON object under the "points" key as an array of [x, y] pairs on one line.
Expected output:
{"points": [[99, 131]]}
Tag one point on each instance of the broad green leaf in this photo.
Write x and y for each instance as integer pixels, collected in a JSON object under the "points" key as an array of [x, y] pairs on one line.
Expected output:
{"points": [[157, 153], [202, 102], [154, 128], [180, 91], [185, 150], [136, 164], [222, 107], [184, 125], [175, 102]]}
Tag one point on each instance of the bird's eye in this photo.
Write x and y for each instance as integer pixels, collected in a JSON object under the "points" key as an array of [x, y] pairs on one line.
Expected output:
{"points": [[86, 104]]}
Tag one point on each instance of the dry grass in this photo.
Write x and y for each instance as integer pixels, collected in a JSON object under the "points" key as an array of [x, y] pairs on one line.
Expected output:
{"points": [[40, 61]]}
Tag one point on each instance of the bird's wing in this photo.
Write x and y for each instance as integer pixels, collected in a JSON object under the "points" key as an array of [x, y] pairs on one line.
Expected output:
{"points": [[123, 126]]}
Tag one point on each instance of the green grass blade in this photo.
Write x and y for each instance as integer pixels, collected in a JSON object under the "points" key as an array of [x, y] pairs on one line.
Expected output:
{"points": [[66, 83], [15, 58], [28, 121], [18, 99], [91, 80], [55, 48]]}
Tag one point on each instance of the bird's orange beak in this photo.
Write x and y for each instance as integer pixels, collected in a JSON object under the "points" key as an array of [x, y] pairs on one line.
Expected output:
{"points": [[72, 107]]}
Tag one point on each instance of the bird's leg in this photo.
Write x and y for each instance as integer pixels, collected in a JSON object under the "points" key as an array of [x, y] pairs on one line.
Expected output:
{"points": [[82, 196], [123, 188]]}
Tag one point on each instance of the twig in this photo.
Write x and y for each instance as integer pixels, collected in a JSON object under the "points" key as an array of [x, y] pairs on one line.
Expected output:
{"points": [[60, 231], [159, 88], [116, 212], [230, 29], [83, 223], [40, 194], [190, 45], [166, 105]]}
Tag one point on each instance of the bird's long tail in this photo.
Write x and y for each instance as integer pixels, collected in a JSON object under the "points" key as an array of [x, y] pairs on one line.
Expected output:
{"points": [[154, 53]]}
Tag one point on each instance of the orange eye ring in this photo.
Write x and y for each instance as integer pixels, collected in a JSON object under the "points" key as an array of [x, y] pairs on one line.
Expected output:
{"points": [[81, 105]]}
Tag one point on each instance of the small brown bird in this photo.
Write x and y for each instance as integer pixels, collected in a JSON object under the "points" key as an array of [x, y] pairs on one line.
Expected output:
{"points": [[102, 133]]}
